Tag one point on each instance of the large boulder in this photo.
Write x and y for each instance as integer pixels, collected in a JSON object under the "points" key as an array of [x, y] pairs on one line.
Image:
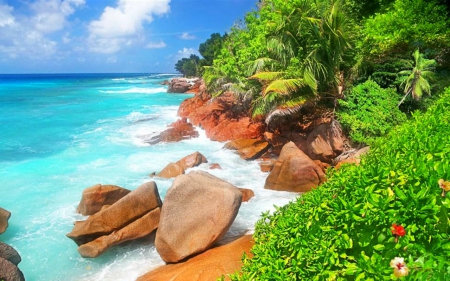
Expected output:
{"points": [[131, 207], [170, 171], [97, 196], [209, 265], [9, 253], [325, 142], [139, 228], [248, 149], [192, 160], [4, 217], [294, 171], [198, 210], [9, 271]]}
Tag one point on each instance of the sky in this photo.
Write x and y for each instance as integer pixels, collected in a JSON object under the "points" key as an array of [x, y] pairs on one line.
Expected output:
{"points": [[109, 36]]}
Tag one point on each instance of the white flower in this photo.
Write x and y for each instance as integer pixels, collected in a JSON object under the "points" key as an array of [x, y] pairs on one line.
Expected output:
{"points": [[399, 266]]}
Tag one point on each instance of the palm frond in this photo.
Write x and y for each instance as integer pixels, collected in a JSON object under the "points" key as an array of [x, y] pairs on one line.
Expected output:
{"points": [[288, 107], [284, 86], [267, 75], [259, 65]]}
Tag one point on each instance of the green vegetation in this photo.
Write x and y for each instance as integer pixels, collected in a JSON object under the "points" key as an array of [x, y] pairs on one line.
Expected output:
{"points": [[369, 111], [354, 58], [342, 230]]}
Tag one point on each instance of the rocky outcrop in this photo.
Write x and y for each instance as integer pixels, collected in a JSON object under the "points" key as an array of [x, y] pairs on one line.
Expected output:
{"points": [[247, 194], [198, 210], [9, 271], [242, 128], [192, 160], [128, 209], [170, 171], [4, 217], [294, 171], [248, 149], [181, 85], [9, 253], [209, 265], [325, 142], [97, 196], [139, 228], [177, 131]]}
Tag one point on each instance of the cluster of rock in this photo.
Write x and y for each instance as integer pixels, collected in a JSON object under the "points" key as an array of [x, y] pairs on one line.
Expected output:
{"points": [[182, 85], [9, 257], [177, 131]]}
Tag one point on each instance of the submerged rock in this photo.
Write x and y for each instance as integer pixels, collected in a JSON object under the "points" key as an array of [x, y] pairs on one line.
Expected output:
{"points": [[198, 210], [131, 207], [4, 217], [294, 171], [209, 265], [97, 196]]}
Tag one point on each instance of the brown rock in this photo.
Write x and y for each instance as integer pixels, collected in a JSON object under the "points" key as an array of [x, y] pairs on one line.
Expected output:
{"points": [[192, 160], [9, 253], [96, 196], [324, 143], [350, 157], [209, 265], [267, 166], [4, 217], [215, 166], [294, 171], [177, 131], [179, 85], [198, 210], [248, 149], [134, 205], [247, 194], [170, 171], [236, 129], [141, 227], [10, 272], [322, 165]]}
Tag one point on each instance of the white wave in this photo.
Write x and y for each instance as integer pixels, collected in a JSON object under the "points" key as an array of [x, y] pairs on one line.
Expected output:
{"points": [[136, 90]]}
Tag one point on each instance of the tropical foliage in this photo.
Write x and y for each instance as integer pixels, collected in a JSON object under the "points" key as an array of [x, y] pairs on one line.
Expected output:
{"points": [[369, 111], [384, 219]]}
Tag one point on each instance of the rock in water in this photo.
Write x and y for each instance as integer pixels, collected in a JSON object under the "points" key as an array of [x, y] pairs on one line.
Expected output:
{"points": [[170, 171], [198, 210], [96, 196], [209, 265], [9, 253], [134, 205], [4, 217], [139, 228], [192, 160], [10, 272], [294, 171]]}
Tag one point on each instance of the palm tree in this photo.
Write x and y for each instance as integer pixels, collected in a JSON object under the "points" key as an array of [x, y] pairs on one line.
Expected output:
{"points": [[416, 82], [306, 48]]}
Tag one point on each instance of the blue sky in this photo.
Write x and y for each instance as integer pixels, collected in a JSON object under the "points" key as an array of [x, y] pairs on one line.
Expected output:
{"points": [[73, 36]]}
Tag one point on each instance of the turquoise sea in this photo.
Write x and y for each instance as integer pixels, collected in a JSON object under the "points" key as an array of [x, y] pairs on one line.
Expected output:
{"points": [[61, 133]]}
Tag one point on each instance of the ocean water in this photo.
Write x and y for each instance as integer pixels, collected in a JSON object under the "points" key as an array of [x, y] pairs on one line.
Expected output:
{"points": [[61, 133]]}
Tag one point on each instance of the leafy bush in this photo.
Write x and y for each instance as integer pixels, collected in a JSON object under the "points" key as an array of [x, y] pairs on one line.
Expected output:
{"points": [[343, 229], [369, 112]]}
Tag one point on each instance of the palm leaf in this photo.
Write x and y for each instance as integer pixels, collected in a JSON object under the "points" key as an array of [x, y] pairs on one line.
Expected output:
{"points": [[288, 107], [284, 86], [267, 75], [259, 64]]}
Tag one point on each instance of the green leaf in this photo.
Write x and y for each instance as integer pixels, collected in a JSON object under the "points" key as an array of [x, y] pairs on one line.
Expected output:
{"points": [[379, 247]]}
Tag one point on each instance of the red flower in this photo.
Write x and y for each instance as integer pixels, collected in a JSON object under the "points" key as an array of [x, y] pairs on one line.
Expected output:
{"points": [[398, 230]]}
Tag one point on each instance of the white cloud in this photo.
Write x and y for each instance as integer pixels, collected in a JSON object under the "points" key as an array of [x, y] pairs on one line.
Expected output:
{"points": [[51, 14], [187, 36], [186, 52], [125, 20], [156, 45], [6, 18]]}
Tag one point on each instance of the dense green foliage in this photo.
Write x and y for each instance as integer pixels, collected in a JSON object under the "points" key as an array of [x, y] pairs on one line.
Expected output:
{"points": [[342, 230], [368, 112], [211, 48], [189, 67]]}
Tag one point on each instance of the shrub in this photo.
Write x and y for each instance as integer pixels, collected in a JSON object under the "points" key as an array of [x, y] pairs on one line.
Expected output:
{"points": [[369, 112], [344, 229]]}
